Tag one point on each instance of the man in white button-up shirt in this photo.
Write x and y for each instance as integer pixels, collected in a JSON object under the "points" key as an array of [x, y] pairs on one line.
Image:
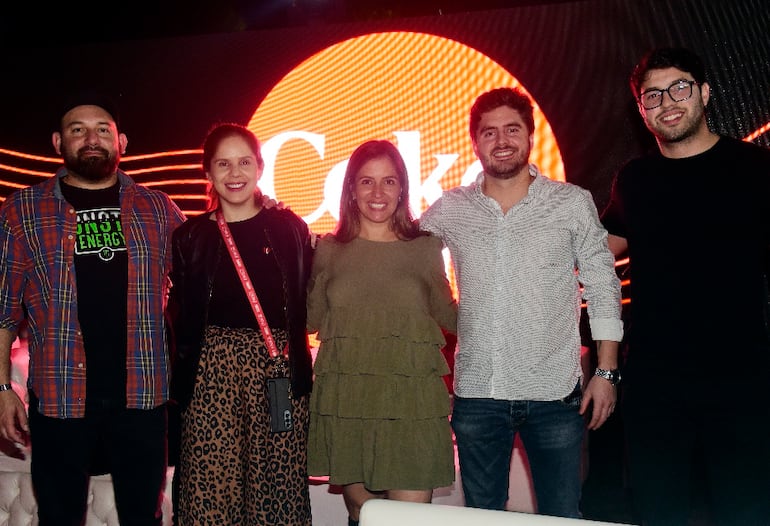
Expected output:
{"points": [[522, 246]]}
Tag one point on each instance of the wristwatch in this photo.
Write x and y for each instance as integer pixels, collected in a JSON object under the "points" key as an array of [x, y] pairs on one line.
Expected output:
{"points": [[611, 375]]}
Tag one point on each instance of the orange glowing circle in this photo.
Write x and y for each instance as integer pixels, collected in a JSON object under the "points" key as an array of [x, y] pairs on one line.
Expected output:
{"points": [[413, 89]]}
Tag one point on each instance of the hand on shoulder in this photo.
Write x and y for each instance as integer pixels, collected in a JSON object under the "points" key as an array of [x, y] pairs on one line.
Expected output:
{"points": [[269, 202]]}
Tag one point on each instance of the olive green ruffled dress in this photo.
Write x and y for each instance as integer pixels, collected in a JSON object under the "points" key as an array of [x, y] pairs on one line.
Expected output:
{"points": [[379, 408]]}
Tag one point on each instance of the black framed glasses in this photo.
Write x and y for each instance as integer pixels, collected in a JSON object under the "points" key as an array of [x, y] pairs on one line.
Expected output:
{"points": [[678, 91]]}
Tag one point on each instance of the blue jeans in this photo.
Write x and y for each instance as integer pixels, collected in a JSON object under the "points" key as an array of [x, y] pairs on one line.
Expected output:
{"points": [[552, 434]]}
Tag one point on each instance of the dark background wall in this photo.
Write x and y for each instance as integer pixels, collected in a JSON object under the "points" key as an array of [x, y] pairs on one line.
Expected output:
{"points": [[573, 57], [177, 67]]}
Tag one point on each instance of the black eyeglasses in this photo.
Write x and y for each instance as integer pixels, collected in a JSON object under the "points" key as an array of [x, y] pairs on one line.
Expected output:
{"points": [[678, 91]]}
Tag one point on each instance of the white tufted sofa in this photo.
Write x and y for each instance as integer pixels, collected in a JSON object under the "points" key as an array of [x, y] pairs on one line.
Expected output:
{"points": [[17, 502], [18, 506]]}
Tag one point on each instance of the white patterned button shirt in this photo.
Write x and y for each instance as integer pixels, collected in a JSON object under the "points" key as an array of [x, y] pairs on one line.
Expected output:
{"points": [[519, 276]]}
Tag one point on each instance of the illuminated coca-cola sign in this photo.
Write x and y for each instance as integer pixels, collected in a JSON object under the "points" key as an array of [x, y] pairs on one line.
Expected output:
{"points": [[413, 89]]}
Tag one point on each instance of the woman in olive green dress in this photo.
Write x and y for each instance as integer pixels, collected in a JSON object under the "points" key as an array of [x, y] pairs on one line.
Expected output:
{"points": [[379, 299]]}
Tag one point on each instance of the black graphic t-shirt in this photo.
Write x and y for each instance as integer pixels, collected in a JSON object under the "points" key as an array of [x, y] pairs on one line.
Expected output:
{"points": [[101, 269]]}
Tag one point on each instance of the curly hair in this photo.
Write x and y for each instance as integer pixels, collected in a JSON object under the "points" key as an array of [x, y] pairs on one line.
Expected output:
{"points": [[493, 99]]}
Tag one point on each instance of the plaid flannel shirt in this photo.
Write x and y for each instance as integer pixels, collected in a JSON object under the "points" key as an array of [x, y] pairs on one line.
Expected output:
{"points": [[37, 281]]}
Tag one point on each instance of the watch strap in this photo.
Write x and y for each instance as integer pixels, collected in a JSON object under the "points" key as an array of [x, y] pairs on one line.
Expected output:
{"points": [[611, 375]]}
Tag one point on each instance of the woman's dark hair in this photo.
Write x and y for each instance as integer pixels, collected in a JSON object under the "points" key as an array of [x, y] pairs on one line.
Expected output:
{"points": [[403, 223], [217, 134]]}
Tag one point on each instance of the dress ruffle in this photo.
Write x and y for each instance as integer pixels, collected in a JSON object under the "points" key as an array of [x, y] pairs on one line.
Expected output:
{"points": [[380, 407], [395, 342]]}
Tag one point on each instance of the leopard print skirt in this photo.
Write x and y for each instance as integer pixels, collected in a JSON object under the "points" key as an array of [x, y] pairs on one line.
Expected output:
{"points": [[233, 470]]}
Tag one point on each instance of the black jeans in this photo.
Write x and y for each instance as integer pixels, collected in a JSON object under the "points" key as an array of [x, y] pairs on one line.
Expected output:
{"points": [[668, 432], [129, 443]]}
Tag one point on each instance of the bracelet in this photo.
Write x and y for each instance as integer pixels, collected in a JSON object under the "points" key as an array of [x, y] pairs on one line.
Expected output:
{"points": [[5, 387]]}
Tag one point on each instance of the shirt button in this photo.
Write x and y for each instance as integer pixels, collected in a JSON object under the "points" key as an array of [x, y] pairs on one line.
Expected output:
{"points": [[80, 365]]}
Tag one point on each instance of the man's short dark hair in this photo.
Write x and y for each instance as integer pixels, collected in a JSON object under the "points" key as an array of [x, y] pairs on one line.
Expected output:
{"points": [[667, 57], [493, 99]]}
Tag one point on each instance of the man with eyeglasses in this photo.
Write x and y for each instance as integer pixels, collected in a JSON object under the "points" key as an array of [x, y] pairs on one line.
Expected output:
{"points": [[693, 219]]}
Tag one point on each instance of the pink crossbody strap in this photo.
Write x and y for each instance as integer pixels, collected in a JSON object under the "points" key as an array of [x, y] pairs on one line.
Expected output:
{"points": [[247, 287]]}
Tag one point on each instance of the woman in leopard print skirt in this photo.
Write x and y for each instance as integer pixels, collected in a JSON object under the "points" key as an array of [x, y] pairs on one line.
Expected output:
{"points": [[232, 469]]}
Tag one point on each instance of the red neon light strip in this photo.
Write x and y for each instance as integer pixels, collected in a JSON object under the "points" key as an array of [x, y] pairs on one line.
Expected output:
{"points": [[757, 133]]}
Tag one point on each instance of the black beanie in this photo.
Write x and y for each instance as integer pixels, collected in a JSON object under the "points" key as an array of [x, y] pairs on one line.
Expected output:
{"points": [[91, 98]]}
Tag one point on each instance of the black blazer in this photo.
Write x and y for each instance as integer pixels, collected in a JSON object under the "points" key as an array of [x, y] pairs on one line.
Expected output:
{"points": [[198, 248]]}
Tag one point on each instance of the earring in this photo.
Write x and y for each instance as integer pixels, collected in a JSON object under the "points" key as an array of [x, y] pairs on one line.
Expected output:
{"points": [[399, 198]]}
